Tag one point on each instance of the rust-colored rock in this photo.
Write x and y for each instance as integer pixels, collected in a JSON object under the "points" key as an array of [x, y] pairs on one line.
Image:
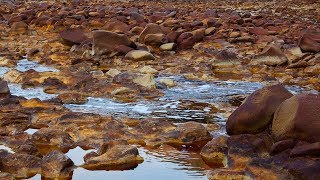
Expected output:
{"points": [[21, 165], [256, 112], [55, 165], [73, 36], [310, 41], [106, 42], [113, 156], [298, 118]]}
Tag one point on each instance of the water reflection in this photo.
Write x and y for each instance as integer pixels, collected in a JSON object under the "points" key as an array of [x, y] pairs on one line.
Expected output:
{"points": [[159, 164]]}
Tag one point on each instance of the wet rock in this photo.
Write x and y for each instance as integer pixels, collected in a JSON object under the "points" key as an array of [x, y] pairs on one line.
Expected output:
{"points": [[122, 90], [139, 55], [168, 82], [227, 174], [72, 98], [249, 145], [146, 80], [298, 118], [310, 41], [106, 42], [191, 134], [119, 156], [271, 56], [214, 153], [13, 76], [150, 28], [168, 47], [127, 79], [47, 139], [19, 28], [55, 165], [13, 122], [281, 146], [21, 165], [155, 39], [256, 112], [4, 89], [73, 36], [303, 168], [312, 149], [148, 70]]}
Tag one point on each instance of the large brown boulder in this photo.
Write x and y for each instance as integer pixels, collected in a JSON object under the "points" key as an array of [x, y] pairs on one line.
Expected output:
{"points": [[73, 36], [310, 41], [150, 28], [106, 42], [256, 112], [271, 56], [55, 165], [298, 118]]}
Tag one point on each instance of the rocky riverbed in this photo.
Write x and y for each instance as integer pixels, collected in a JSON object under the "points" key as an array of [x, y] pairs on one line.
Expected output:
{"points": [[159, 89]]}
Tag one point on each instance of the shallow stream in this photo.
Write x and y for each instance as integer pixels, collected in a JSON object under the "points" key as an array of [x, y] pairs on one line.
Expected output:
{"points": [[188, 101]]}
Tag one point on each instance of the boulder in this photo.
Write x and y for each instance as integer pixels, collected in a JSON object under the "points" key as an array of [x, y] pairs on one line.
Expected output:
{"points": [[298, 118], [150, 28], [191, 134], [155, 39], [312, 149], [139, 55], [106, 42], [148, 70], [146, 80], [132, 80], [19, 28], [4, 89], [271, 56], [168, 47], [113, 156], [47, 139], [21, 165], [168, 82], [55, 165], [256, 112], [73, 36], [214, 153], [310, 41]]}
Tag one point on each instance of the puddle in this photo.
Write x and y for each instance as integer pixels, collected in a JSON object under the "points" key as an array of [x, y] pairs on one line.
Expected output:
{"points": [[30, 93], [31, 131], [158, 165], [77, 154], [25, 65]]}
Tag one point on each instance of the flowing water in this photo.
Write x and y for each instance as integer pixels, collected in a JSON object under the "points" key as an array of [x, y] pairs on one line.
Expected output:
{"points": [[188, 101]]}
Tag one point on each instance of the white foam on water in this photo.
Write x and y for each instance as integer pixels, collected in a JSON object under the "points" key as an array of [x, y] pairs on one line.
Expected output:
{"points": [[6, 148]]}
